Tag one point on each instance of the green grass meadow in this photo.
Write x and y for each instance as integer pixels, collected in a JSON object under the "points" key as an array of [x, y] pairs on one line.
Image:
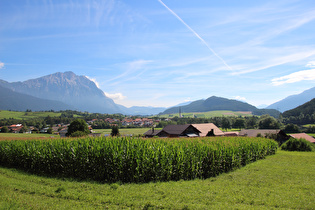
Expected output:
{"points": [[26, 115], [284, 181]]}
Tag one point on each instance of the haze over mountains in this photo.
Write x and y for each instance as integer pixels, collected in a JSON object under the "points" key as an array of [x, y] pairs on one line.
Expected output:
{"points": [[62, 91], [293, 101]]}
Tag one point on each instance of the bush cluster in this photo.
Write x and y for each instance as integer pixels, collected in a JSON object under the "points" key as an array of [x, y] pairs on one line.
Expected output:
{"points": [[297, 145]]}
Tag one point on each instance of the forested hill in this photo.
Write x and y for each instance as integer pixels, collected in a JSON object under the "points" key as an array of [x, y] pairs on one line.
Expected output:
{"points": [[305, 109], [218, 103]]}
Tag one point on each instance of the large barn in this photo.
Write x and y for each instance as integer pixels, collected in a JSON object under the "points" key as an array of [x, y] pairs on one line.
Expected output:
{"points": [[206, 127]]}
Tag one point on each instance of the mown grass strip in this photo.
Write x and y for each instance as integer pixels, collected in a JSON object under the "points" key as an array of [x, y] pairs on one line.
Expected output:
{"points": [[284, 181], [134, 159]]}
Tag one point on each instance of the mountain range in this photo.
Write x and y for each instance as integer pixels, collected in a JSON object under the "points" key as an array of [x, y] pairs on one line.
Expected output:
{"points": [[293, 101], [64, 91]]}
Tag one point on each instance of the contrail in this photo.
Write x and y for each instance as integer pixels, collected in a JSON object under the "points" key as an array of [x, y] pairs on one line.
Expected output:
{"points": [[197, 35]]}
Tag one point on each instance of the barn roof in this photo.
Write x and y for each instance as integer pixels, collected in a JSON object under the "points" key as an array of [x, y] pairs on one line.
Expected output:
{"points": [[177, 129], [206, 127], [254, 133], [303, 136], [152, 132]]}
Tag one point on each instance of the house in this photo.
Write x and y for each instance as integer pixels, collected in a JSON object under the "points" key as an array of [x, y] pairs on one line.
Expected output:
{"points": [[206, 127], [151, 133], [179, 131], [303, 136], [63, 132], [15, 128], [279, 135]]}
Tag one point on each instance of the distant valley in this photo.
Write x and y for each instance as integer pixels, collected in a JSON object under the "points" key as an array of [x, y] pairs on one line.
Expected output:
{"points": [[68, 91]]}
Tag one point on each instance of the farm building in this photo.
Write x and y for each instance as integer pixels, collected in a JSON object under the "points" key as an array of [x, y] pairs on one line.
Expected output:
{"points": [[279, 135], [206, 127], [174, 131], [187, 130], [303, 136], [152, 133]]}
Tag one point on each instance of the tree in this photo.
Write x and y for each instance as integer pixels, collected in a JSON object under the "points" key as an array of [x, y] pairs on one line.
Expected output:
{"points": [[78, 125], [239, 123], [24, 129], [268, 122], [50, 130], [226, 123], [115, 131], [4, 129], [291, 128]]}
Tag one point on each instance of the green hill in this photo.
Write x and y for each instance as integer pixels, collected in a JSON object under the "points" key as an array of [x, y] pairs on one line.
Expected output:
{"points": [[215, 103], [305, 109]]}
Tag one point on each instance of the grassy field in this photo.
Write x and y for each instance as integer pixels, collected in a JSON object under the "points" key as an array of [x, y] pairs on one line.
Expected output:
{"points": [[285, 181], [26, 115], [208, 114], [13, 136]]}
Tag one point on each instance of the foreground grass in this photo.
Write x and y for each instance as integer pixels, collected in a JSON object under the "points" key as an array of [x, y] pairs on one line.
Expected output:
{"points": [[285, 180]]}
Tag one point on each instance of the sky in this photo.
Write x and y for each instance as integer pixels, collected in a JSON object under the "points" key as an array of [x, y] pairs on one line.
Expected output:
{"points": [[164, 52]]}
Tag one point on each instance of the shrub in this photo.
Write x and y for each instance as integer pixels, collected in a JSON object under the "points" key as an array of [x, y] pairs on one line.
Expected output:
{"points": [[291, 128], [4, 129], [115, 131], [78, 134], [297, 145], [78, 125]]}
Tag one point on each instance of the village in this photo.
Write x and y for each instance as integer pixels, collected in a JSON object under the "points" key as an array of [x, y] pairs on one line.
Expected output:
{"points": [[169, 131]]}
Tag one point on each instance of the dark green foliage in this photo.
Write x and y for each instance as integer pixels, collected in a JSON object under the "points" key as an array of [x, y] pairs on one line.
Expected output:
{"points": [[291, 128], [310, 129], [23, 129], [78, 125], [135, 159], [226, 123], [115, 131], [4, 129], [297, 145], [239, 123], [78, 134], [50, 130], [268, 122]]}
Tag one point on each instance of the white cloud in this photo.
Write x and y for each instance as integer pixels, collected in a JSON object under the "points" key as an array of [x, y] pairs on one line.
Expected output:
{"points": [[1, 65], [295, 77], [115, 96], [310, 64], [240, 98], [94, 80]]}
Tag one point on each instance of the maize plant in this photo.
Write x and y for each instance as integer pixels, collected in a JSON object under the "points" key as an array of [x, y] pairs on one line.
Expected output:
{"points": [[136, 160]]}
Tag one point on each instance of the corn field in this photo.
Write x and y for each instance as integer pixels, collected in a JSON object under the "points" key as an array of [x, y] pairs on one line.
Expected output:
{"points": [[134, 159]]}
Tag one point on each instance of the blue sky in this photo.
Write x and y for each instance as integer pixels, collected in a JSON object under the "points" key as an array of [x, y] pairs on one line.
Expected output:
{"points": [[161, 53]]}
